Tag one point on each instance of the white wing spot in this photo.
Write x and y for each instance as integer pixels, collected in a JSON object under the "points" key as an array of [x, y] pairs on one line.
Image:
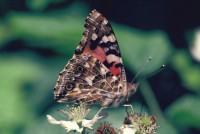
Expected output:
{"points": [[112, 57], [87, 65], [105, 39], [105, 22], [94, 36], [111, 38], [103, 71], [89, 79]]}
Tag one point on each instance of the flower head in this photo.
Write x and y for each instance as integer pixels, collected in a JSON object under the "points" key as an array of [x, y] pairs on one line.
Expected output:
{"points": [[78, 113], [77, 119], [142, 124], [105, 128]]}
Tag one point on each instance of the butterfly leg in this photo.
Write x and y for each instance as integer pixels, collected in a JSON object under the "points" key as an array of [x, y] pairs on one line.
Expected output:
{"points": [[128, 105], [97, 114], [101, 110]]}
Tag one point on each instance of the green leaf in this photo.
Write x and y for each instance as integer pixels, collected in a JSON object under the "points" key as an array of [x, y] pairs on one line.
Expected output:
{"points": [[58, 30], [188, 72], [38, 4], [185, 111], [15, 75], [5, 34], [47, 32]]}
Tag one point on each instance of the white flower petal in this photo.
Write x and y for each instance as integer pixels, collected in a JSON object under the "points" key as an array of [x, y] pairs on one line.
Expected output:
{"points": [[90, 123], [127, 129], [52, 120], [87, 123], [68, 125], [80, 130]]}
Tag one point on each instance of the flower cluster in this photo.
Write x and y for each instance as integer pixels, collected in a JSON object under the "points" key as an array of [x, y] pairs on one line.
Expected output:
{"points": [[138, 124], [133, 123]]}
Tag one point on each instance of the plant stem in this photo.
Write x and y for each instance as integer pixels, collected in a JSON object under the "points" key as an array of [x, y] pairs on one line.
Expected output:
{"points": [[83, 132], [151, 100]]}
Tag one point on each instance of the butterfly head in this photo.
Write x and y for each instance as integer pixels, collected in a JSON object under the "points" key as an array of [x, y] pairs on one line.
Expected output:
{"points": [[131, 88]]}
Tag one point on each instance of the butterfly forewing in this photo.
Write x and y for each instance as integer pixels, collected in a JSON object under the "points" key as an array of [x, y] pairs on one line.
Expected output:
{"points": [[99, 41]]}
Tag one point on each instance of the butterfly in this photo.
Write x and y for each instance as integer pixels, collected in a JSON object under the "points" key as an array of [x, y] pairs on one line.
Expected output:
{"points": [[95, 74]]}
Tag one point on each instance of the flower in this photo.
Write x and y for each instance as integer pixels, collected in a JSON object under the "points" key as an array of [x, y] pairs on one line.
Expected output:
{"points": [[77, 119], [78, 113], [195, 47], [140, 124], [105, 128]]}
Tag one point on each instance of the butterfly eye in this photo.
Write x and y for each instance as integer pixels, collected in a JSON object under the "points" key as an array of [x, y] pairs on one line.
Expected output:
{"points": [[69, 86], [79, 68]]}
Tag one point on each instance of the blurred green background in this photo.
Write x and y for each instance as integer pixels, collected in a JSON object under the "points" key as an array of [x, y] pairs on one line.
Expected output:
{"points": [[38, 37]]}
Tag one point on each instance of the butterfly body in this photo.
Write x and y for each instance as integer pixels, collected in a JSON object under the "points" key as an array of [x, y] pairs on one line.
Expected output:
{"points": [[95, 74]]}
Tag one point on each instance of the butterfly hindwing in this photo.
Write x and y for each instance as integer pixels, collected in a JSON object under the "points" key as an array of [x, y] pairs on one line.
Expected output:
{"points": [[86, 79]]}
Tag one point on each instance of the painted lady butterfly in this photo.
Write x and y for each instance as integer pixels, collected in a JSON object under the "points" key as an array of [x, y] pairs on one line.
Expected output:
{"points": [[95, 74]]}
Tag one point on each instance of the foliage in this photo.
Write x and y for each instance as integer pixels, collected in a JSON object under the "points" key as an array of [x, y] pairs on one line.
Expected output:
{"points": [[36, 43]]}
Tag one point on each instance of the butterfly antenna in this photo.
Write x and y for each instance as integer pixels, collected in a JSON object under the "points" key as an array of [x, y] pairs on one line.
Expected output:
{"points": [[156, 71], [141, 69]]}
